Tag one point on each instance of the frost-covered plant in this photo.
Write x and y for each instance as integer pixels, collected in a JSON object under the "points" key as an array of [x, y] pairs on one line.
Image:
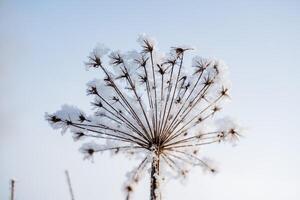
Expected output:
{"points": [[151, 104]]}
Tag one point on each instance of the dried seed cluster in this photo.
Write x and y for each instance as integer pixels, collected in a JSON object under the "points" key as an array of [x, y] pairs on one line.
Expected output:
{"points": [[152, 104]]}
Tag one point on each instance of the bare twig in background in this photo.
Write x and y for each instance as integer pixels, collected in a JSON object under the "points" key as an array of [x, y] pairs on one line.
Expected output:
{"points": [[12, 189], [69, 185]]}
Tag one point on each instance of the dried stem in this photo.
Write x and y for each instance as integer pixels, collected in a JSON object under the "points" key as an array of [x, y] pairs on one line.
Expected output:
{"points": [[12, 189], [154, 187], [69, 185]]}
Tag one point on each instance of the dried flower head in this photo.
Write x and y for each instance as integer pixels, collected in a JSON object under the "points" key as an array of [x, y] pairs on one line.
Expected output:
{"points": [[147, 104]]}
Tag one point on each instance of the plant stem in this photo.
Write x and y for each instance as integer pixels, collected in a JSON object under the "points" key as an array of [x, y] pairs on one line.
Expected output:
{"points": [[12, 188], [154, 188], [69, 185]]}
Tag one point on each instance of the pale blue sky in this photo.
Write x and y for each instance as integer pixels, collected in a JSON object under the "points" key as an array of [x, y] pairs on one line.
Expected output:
{"points": [[43, 45]]}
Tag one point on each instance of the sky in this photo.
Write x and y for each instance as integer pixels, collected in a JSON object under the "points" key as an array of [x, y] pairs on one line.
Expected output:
{"points": [[43, 46]]}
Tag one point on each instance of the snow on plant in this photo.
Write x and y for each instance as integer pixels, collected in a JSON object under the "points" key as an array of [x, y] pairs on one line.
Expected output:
{"points": [[151, 104]]}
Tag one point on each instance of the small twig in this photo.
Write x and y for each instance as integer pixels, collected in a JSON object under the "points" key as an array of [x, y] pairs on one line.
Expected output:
{"points": [[12, 189], [69, 185]]}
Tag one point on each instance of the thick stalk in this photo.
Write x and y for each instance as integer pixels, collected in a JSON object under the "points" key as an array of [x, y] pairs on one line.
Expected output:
{"points": [[154, 188]]}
